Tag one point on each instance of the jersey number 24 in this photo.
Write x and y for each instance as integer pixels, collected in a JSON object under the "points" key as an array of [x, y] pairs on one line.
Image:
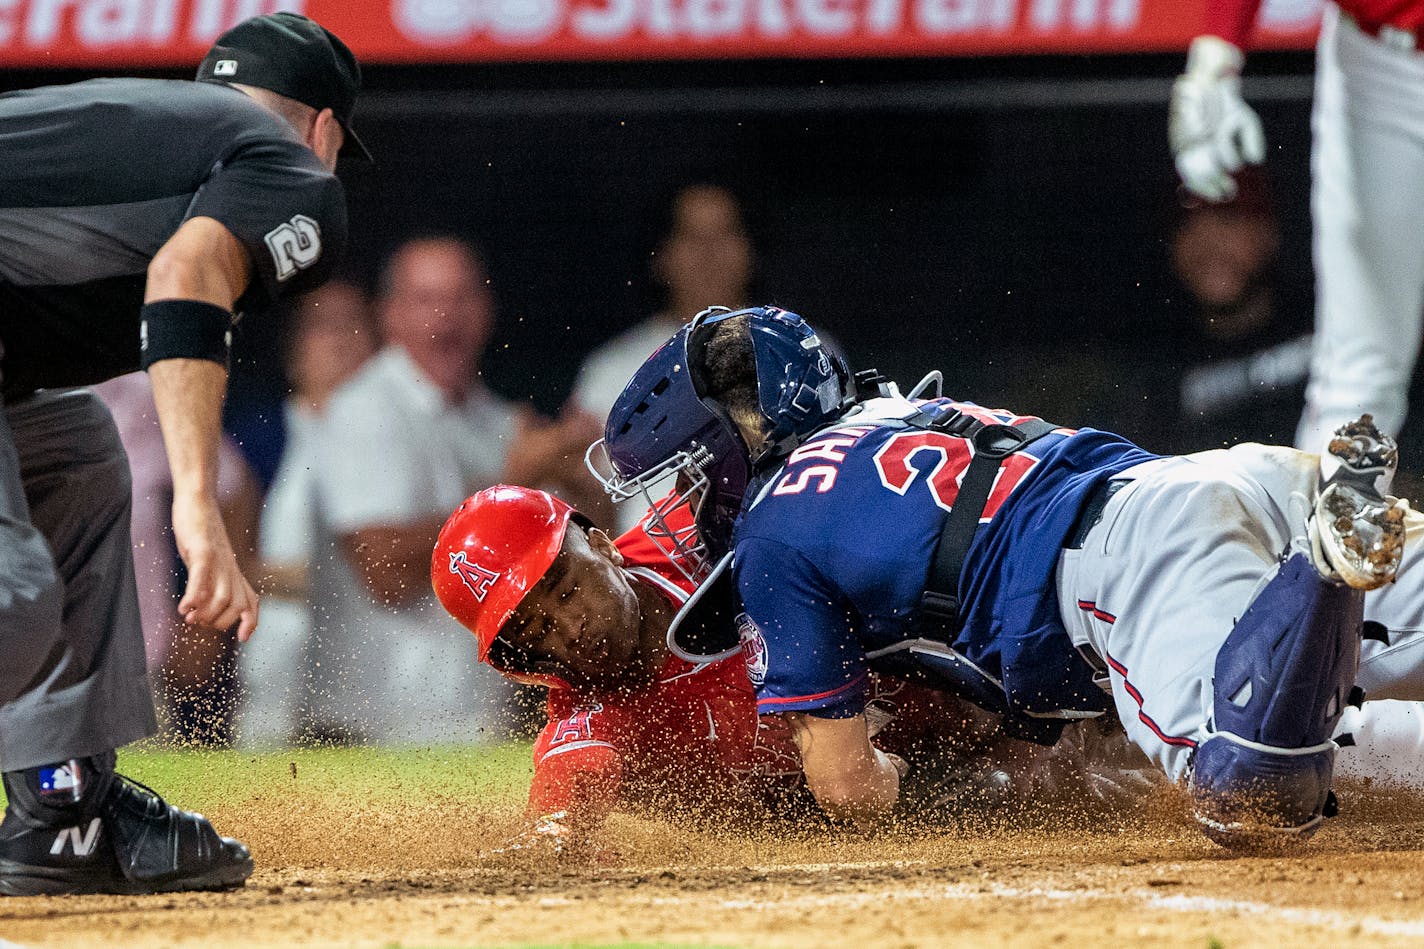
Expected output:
{"points": [[895, 467]]}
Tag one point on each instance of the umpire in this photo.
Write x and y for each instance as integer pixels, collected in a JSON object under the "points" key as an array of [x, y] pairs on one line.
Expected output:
{"points": [[138, 219]]}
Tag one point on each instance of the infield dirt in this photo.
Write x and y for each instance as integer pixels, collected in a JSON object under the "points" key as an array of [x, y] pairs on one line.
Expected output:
{"points": [[420, 874]]}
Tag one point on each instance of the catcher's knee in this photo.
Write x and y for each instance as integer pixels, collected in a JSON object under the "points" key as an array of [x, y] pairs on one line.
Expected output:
{"points": [[1287, 670], [1282, 679], [1249, 797]]}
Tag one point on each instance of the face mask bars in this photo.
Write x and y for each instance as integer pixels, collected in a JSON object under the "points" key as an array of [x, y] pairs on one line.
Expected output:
{"points": [[683, 546]]}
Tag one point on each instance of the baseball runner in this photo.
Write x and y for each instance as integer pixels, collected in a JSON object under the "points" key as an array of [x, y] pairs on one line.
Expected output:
{"points": [[1215, 600], [1367, 190], [137, 217], [554, 601]]}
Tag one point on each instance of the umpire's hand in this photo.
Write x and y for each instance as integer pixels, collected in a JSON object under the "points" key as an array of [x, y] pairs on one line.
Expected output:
{"points": [[218, 595], [188, 394]]}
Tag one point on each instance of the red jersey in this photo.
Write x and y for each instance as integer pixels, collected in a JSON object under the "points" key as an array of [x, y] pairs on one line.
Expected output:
{"points": [[1232, 19], [690, 738]]}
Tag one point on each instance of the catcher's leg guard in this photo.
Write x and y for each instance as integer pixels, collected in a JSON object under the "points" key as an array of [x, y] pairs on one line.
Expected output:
{"points": [[1282, 678]]}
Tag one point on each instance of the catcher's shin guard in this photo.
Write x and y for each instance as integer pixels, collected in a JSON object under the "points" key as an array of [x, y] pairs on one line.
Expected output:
{"points": [[1283, 676]]}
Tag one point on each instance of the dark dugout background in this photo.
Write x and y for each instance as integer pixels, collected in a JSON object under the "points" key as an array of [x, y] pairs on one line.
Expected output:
{"points": [[1002, 219]]}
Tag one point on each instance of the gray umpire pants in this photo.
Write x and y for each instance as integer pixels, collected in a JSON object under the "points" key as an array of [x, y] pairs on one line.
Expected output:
{"points": [[72, 677]]}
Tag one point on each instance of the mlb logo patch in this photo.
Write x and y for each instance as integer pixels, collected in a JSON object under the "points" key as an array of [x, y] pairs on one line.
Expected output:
{"points": [[225, 67], [61, 780]]}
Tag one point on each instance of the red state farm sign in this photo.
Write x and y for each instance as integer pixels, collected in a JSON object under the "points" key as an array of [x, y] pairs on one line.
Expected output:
{"points": [[116, 33]]}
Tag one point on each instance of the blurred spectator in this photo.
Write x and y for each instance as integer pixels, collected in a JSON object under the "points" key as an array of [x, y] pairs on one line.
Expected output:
{"points": [[329, 335], [1242, 346], [1223, 360], [193, 667], [703, 257], [402, 444]]}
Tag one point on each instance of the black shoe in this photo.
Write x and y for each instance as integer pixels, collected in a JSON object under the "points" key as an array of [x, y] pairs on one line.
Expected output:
{"points": [[81, 828]]}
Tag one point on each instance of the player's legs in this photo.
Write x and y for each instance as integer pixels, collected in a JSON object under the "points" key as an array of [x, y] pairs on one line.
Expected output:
{"points": [[73, 683], [76, 688], [1367, 202], [1392, 667], [1158, 585], [1227, 661]]}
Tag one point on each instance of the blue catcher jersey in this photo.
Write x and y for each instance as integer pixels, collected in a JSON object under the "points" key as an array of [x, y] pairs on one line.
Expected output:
{"points": [[834, 554]]}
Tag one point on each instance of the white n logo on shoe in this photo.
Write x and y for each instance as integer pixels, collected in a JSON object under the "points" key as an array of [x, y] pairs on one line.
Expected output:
{"points": [[82, 844]]}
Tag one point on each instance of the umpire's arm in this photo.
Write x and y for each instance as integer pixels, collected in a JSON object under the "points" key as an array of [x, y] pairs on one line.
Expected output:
{"points": [[851, 779], [200, 273]]}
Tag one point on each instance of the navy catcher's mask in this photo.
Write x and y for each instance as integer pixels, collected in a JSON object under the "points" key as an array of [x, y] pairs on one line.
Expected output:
{"points": [[664, 445], [665, 425]]}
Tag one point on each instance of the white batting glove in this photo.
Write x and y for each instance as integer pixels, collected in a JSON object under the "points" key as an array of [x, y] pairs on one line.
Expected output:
{"points": [[1212, 130]]}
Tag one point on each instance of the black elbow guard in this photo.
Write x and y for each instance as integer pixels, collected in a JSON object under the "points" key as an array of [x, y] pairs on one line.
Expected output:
{"points": [[184, 329]]}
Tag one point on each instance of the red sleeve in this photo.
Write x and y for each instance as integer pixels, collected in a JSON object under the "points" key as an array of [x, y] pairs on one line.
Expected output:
{"points": [[1231, 20], [577, 766], [642, 549]]}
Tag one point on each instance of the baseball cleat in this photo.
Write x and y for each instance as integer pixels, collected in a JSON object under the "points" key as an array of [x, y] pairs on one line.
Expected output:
{"points": [[105, 833], [1361, 453], [1357, 529]]}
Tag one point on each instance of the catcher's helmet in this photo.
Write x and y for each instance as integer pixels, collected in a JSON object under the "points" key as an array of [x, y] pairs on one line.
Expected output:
{"points": [[665, 423], [801, 385], [496, 546]]}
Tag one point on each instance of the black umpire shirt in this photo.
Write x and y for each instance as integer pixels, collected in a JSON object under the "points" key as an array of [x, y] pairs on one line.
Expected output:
{"points": [[95, 177]]}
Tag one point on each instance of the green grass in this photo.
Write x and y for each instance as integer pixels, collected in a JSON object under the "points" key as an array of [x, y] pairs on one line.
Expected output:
{"points": [[204, 779]]}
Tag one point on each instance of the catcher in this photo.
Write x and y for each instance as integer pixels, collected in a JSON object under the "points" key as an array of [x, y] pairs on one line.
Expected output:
{"points": [[1217, 600], [629, 722]]}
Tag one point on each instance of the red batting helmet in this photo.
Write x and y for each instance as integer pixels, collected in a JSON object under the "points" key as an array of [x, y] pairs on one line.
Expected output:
{"points": [[492, 550]]}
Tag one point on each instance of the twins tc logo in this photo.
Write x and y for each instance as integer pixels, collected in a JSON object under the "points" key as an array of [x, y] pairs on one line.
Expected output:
{"points": [[753, 648], [476, 578]]}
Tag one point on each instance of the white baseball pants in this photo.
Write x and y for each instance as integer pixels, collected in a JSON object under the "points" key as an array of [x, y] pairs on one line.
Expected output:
{"points": [[1177, 557], [1367, 205]]}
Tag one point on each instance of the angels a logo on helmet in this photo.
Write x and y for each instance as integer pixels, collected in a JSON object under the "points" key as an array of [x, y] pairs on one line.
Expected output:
{"points": [[476, 578]]}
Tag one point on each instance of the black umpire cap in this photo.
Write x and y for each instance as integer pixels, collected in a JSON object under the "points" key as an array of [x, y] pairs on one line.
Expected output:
{"points": [[293, 56]]}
